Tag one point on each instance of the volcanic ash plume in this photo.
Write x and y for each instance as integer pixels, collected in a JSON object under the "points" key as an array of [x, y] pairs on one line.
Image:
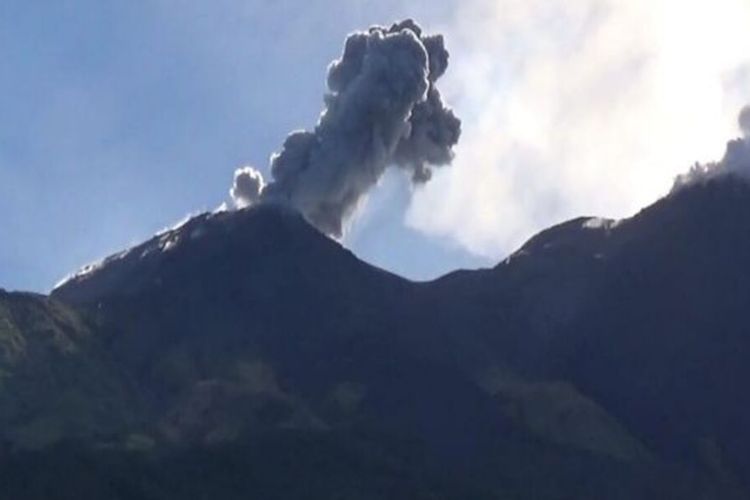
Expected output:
{"points": [[382, 109]]}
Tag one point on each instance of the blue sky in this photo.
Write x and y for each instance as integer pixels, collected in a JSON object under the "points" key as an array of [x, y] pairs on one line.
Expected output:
{"points": [[119, 118]]}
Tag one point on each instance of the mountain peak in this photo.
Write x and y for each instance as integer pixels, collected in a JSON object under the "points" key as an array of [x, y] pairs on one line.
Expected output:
{"points": [[205, 243]]}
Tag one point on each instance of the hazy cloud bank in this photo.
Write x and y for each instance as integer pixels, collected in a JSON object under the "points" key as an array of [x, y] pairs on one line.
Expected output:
{"points": [[580, 107]]}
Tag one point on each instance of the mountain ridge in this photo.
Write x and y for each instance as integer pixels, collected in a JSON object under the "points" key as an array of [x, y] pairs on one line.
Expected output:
{"points": [[251, 326]]}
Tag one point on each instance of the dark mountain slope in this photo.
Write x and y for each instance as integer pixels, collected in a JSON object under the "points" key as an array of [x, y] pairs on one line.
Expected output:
{"points": [[568, 371], [255, 312], [666, 343], [647, 316], [55, 380], [520, 306]]}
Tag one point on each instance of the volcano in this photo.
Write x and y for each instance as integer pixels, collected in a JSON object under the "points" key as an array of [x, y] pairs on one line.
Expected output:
{"points": [[245, 354]]}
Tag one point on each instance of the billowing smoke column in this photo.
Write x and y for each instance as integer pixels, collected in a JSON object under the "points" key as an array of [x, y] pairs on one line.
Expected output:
{"points": [[382, 109], [736, 160]]}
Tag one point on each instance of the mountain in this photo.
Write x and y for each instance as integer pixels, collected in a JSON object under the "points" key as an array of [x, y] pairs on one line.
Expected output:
{"points": [[55, 381], [244, 353], [647, 316]]}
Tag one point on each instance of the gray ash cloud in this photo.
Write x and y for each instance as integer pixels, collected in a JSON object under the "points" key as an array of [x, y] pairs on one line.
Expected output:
{"points": [[382, 109]]}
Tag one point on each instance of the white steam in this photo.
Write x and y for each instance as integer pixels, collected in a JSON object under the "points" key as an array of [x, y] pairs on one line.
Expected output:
{"points": [[736, 160], [247, 186], [574, 107]]}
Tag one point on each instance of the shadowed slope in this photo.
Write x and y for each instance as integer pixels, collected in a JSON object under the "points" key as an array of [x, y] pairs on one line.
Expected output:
{"points": [[600, 360]]}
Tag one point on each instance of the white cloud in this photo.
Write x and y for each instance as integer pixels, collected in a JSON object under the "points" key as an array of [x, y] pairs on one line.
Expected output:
{"points": [[247, 187], [575, 107]]}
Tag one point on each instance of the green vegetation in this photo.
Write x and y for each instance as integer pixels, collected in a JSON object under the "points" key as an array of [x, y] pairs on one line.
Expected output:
{"points": [[56, 383], [263, 361]]}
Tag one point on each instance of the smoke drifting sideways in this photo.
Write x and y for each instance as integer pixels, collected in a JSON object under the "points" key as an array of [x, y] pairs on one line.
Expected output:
{"points": [[736, 160], [382, 109]]}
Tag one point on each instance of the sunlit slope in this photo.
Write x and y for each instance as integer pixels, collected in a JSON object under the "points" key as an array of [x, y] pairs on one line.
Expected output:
{"points": [[55, 380]]}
